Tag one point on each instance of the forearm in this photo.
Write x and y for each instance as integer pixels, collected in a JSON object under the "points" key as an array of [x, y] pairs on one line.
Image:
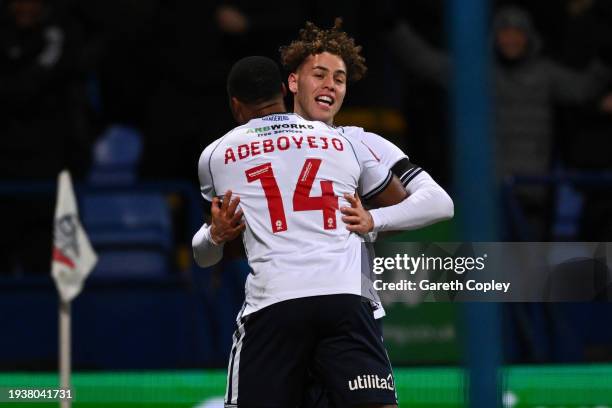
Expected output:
{"points": [[427, 204], [205, 252]]}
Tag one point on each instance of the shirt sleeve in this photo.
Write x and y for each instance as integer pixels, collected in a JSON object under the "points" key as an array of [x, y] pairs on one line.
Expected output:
{"points": [[391, 156], [205, 252], [207, 187], [383, 150], [406, 171], [374, 177]]}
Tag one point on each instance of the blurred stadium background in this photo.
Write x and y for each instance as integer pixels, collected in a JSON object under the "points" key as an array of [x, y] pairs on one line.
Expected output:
{"points": [[126, 94]]}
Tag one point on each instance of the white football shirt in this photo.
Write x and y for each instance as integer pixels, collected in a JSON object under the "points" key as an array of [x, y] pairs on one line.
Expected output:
{"points": [[290, 175], [387, 154]]}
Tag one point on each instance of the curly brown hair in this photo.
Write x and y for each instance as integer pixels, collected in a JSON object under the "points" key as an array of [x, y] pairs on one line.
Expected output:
{"points": [[313, 40]]}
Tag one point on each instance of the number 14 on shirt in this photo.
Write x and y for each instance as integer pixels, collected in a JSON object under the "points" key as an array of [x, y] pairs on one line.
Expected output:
{"points": [[302, 201]]}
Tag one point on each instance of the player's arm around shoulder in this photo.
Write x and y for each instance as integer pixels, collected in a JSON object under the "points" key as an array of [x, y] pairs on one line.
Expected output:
{"points": [[436, 205], [359, 219], [427, 202], [377, 186]]}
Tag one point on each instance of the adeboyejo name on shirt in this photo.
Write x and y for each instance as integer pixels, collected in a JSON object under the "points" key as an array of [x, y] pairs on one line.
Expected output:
{"points": [[282, 143]]}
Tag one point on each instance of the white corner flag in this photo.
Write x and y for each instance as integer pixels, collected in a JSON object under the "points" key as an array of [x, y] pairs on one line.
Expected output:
{"points": [[73, 257], [72, 260]]}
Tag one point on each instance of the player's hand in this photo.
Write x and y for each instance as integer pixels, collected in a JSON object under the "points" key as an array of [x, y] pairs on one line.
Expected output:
{"points": [[226, 223], [357, 218]]}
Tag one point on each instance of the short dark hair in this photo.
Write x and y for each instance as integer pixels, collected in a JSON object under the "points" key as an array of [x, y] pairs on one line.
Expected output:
{"points": [[254, 79]]}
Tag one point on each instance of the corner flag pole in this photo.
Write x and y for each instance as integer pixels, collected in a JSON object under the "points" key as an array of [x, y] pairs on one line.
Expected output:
{"points": [[64, 349], [72, 260]]}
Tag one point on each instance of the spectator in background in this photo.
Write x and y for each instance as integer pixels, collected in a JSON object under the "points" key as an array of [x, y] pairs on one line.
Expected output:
{"points": [[526, 87], [41, 124]]}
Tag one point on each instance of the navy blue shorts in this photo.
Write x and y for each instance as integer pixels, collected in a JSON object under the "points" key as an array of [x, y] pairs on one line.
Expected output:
{"points": [[334, 338]]}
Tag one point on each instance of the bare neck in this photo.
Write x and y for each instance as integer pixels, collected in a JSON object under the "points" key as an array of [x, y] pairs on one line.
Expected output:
{"points": [[270, 108], [298, 109]]}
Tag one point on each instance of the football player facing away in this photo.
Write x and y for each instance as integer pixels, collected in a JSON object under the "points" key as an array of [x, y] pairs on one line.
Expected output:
{"points": [[321, 62], [303, 310]]}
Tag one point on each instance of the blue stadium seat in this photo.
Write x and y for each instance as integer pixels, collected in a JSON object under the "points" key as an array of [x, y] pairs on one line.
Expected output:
{"points": [[115, 156], [132, 264], [120, 220], [132, 233]]}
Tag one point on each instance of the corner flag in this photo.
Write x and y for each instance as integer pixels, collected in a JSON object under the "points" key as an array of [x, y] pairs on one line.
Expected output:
{"points": [[72, 260], [73, 257]]}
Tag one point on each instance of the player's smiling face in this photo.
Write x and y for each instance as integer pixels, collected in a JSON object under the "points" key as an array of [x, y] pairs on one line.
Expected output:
{"points": [[319, 86]]}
